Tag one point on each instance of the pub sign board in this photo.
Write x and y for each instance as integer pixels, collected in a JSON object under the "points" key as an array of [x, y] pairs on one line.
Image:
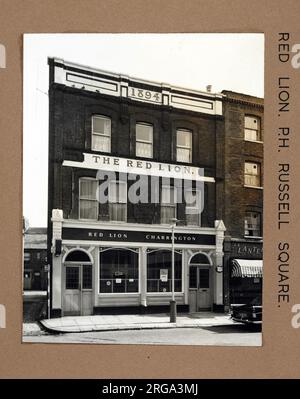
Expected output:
{"points": [[71, 233]]}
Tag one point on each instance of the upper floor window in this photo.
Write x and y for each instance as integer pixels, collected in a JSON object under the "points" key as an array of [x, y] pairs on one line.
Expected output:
{"points": [[252, 128], [27, 256], [252, 174], [192, 207], [117, 197], [184, 146], [101, 133], [168, 204], [252, 224], [88, 204], [144, 140]]}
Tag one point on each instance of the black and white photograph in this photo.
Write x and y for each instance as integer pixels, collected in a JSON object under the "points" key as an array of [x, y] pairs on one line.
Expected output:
{"points": [[143, 188]]}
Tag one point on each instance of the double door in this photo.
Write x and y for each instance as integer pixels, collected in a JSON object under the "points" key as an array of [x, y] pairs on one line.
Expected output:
{"points": [[199, 288], [78, 289]]}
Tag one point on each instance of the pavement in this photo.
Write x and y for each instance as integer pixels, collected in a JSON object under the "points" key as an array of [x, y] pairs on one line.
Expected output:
{"points": [[79, 324]]}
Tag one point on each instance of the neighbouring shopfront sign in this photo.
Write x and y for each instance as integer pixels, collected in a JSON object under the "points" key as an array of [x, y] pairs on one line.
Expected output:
{"points": [[71, 233], [251, 250]]}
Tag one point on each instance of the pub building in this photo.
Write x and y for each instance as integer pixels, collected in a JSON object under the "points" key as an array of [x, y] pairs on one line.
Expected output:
{"points": [[115, 256]]}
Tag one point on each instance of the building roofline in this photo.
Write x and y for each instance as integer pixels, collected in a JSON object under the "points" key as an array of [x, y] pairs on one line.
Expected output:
{"points": [[121, 76], [242, 98]]}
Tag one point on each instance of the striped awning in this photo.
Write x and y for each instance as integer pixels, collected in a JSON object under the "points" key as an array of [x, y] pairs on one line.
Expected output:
{"points": [[247, 268]]}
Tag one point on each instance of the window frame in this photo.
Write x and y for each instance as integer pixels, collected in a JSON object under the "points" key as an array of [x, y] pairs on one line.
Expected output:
{"points": [[144, 141], [103, 117], [193, 207], [252, 229], [259, 175], [106, 294], [258, 130], [190, 132], [118, 203], [86, 199], [182, 276], [169, 205]]}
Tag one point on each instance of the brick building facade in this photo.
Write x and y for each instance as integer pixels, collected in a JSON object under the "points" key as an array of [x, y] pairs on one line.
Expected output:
{"points": [[116, 256], [241, 191], [35, 259]]}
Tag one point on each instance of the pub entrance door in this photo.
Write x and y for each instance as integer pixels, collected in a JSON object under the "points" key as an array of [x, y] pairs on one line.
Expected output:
{"points": [[200, 288], [78, 290]]}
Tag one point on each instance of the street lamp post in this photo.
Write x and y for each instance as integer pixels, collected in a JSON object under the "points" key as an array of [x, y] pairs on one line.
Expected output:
{"points": [[173, 302]]}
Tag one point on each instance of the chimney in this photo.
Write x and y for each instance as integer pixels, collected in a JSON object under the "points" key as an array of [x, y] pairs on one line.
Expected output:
{"points": [[208, 88]]}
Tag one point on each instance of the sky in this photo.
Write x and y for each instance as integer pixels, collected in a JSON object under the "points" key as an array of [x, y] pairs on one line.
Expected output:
{"points": [[225, 61]]}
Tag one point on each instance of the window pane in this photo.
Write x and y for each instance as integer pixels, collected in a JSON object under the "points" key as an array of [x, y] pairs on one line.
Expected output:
{"points": [[106, 286], [193, 277], [159, 271], [144, 133], [252, 122], [183, 155], [117, 192], [118, 212], [88, 188], [252, 174], [184, 138], [101, 125], [251, 135], [113, 192], [253, 224], [119, 271], [143, 150], [72, 278], [192, 198], [252, 128], [167, 213], [252, 180], [168, 195], [193, 219], [122, 192], [203, 278], [88, 209], [101, 143], [87, 280], [184, 146]]}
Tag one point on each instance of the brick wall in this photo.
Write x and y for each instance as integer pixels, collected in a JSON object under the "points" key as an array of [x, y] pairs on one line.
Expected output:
{"points": [[71, 111], [237, 198]]}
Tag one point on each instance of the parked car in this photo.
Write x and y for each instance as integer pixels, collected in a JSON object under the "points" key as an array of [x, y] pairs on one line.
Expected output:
{"points": [[247, 313]]}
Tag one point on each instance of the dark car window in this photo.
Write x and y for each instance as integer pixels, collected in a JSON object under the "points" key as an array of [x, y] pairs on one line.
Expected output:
{"points": [[256, 301]]}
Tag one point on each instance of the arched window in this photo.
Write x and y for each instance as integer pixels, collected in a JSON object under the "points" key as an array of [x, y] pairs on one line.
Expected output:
{"points": [[77, 256], [119, 271], [159, 271], [79, 271], [200, 259]]}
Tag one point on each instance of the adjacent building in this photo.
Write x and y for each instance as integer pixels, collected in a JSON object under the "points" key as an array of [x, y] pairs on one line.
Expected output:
{"points": [[240, 204], [35, 259], [35, 274]]}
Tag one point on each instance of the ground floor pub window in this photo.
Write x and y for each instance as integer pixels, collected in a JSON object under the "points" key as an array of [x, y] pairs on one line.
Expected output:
{"points": [[119, 271], [159, 271]]}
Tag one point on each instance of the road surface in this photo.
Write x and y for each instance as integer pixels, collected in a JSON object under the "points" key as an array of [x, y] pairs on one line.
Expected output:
{"points": [[230, 335]]}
